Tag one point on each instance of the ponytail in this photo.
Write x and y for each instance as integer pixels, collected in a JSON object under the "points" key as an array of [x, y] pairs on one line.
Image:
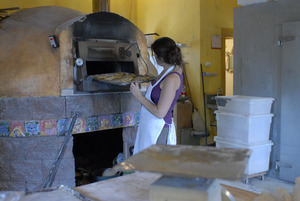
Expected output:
{"points": [[166, 49]]}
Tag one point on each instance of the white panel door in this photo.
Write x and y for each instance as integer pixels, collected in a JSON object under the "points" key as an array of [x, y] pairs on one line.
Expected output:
{"points": [[289, 164]]}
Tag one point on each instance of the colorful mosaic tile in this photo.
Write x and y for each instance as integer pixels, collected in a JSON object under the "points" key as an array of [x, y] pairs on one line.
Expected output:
{"points": [[32, 128], [48, 127], [128, 119], [116, 120], [104, 122], [79, 126], [4, 128], [16, 129], [91, 123], [63, 126]]}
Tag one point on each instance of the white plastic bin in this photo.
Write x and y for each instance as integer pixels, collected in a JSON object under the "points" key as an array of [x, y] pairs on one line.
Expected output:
{"points": [[260, 156], [243, 128], [244, 104]]}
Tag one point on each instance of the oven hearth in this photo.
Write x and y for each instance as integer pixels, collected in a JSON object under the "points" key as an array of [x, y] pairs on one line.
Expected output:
{"points": [[94, 152]]}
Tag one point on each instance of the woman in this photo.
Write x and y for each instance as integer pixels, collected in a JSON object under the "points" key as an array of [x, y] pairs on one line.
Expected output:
{"points": [[156, 125]]}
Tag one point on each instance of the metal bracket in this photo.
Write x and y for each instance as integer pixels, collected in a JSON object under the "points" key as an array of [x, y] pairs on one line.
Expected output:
{"points": [[282, 39], [279, 164]]}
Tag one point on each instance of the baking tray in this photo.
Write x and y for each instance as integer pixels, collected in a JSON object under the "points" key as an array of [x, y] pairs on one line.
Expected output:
{"points": [[121, 78]]}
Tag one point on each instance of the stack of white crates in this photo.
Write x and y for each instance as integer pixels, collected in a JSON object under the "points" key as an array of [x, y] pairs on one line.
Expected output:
{"points": [[244, 122]]}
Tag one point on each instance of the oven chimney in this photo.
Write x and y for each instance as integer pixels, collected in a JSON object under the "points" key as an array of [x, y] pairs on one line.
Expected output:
{"points": [[101, 5]]}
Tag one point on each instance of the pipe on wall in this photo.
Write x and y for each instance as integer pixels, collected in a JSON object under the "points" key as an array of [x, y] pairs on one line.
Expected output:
{"points": [[101, 5]]}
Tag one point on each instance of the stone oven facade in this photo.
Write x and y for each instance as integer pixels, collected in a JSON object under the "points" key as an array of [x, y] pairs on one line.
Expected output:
{"points": [[41, 89]]}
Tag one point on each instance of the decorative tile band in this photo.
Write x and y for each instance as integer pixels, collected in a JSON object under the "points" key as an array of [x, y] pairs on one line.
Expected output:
{"points": [[17, 128]]}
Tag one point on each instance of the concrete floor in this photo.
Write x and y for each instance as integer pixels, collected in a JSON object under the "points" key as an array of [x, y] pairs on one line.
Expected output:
{"points": [[257, 185]]}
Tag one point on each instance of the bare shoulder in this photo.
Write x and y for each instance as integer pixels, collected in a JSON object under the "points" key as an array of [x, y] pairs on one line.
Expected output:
{"points": [[177, 70], [173, 78]]}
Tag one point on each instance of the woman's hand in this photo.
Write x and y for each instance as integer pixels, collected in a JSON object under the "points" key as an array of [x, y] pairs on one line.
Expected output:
{"points": [[135, 90]]}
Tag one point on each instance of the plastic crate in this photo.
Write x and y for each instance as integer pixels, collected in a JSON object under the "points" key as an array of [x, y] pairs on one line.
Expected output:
{"points": [[246, 105], [260, 156], [243, 128]]}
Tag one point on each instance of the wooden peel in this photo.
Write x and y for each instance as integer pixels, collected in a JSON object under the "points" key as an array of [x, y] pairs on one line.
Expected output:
{"points": [[122, 78], [189, 161]]}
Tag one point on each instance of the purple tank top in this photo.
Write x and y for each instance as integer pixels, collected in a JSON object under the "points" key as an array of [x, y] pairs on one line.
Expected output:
{"points": [[155, 94]]}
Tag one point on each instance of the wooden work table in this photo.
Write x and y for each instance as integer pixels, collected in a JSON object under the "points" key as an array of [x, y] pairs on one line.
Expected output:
{"points": [[135, 187]]}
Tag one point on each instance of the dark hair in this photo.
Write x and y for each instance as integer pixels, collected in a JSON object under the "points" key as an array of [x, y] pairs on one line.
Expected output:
{"points": [[165, 48]]}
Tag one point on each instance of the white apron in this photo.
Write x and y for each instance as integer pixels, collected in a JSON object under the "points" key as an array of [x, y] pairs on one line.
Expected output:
{"points": [[150, 126]]}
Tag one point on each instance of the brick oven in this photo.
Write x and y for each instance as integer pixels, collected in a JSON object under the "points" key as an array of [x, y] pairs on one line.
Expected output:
{"points": [[42, 86]]}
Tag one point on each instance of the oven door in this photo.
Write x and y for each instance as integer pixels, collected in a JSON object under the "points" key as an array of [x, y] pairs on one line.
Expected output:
{"points": [[99, 56]]}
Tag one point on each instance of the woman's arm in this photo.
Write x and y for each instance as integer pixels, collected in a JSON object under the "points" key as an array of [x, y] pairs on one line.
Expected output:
{"points": [[169, 86]]}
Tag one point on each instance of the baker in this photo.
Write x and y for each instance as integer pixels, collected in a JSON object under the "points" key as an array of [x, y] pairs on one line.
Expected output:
{"points": [[156, 124]]}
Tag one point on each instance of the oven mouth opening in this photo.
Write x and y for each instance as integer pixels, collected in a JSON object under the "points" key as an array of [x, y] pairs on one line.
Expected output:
{"points": [[102, 67]]}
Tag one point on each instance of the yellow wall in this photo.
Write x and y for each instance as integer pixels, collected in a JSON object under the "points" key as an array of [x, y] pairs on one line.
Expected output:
{"points": [[84, 6], [125, 8], [215, 15]]}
